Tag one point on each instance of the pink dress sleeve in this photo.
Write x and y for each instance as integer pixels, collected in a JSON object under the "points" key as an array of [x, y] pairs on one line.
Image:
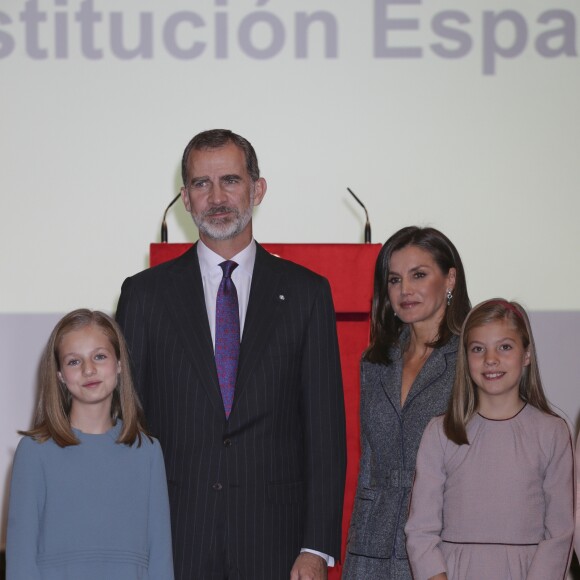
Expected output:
{"points": [[577, 469], [424, 525], [555, 550]]}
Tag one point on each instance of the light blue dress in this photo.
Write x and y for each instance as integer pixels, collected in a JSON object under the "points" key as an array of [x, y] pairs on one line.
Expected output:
{"points": [[94, 511]]}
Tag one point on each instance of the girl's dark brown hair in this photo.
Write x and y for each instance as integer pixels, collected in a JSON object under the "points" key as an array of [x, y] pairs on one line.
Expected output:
{"points": [[51, 418], [463, 402]]}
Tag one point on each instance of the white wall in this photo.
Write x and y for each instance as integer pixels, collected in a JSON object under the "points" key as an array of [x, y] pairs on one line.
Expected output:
{"points": [[90, 148]]}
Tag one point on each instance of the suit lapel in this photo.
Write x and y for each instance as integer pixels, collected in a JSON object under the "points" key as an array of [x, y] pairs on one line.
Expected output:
{"points": [[263, 307], [184, 295], [392, 379], [433, 368]]}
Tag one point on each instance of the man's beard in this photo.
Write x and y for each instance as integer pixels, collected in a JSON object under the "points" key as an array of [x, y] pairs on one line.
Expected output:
{"points": [[224, 228]]}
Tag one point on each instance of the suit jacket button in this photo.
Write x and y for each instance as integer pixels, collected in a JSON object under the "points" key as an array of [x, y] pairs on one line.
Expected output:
{"points": [[227, 442], [217, 486]]}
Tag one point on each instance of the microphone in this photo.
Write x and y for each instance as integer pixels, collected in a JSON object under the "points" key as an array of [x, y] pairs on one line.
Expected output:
{"points": [[368, 223], [164, 223]]}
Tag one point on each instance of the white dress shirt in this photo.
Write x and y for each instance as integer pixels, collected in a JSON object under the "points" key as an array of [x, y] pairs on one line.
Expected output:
{"points": [[211, 276]]}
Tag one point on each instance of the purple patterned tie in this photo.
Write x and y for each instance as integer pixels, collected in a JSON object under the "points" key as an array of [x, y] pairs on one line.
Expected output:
{"points": [[227, 335]]}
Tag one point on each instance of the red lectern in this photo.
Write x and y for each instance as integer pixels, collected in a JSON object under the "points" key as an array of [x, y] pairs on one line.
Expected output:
{"points": [[349, 269]]}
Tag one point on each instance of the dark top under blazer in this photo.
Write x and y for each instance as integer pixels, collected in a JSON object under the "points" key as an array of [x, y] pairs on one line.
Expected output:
{"points": [[390, 437], [272, 476]]}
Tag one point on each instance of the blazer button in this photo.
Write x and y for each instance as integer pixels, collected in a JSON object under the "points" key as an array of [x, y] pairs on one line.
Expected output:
{"points": [[217, 486], [227, 442]]}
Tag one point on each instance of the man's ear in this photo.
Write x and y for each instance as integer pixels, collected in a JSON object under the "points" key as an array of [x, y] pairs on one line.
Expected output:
{"points": [[260, 188], [185, 199]]}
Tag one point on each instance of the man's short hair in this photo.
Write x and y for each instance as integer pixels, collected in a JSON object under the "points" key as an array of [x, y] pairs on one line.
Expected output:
{"points": [[216, 138]]}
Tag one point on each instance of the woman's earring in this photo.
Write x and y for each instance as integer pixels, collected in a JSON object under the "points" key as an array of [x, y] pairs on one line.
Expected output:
{"points": [[449, 297]]}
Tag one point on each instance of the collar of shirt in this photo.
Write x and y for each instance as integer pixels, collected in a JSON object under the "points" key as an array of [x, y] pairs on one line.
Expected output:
{"points": [[211, 275]]}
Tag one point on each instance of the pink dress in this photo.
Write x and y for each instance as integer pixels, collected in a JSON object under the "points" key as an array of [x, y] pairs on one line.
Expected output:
{"points": [[500, 508], [577, 532]]}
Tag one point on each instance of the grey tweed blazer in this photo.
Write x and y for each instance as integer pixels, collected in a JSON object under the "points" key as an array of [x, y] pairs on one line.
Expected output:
{"points": [[390, 437]]}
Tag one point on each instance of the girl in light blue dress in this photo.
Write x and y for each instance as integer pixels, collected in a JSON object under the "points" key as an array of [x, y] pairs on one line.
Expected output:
{"points": [[88, 498]]}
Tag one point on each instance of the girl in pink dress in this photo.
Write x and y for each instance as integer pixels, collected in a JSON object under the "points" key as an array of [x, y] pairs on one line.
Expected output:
{"points": [[493, 496]]}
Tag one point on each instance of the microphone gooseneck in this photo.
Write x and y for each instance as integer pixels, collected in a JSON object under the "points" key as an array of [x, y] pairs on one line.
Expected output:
{"points": [[368, 223], [164, 223]]}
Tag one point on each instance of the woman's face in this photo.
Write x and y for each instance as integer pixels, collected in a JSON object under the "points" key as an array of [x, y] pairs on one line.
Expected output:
{"points": [[417, 287]]}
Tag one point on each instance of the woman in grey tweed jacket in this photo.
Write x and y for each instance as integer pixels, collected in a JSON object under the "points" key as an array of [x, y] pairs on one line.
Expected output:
{"points": [[420, 301]]}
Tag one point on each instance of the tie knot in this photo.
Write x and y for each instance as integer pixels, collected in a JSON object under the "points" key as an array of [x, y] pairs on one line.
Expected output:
{"points": [[228, 267]]}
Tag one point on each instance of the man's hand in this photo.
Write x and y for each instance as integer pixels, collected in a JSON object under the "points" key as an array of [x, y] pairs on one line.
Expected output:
{"points": [[309, 567]]}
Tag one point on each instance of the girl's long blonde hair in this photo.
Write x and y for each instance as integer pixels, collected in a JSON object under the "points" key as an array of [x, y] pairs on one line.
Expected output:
{"points": [[51, 418], [464, 400]]}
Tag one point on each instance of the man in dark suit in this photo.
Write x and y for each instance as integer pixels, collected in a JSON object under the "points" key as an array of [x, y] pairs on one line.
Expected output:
{"points": [[255, 463]]}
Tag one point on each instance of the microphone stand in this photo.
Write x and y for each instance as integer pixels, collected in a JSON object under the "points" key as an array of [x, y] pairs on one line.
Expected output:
{"points": [[164, 223], [368, 223]]}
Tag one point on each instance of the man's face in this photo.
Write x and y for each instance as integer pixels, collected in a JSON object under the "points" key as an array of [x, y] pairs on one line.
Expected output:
{"points": [[219, 193]]}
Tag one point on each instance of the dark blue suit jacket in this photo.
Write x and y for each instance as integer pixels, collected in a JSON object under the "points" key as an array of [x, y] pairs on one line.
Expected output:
{"points": [[271, 478]]}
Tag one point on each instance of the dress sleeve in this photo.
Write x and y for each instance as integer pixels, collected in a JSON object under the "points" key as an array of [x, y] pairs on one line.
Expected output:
{"points": [[424, 525], [27, 496], [364, 469], [364, 474], [553, 554], [160, 554], [577, 471]]}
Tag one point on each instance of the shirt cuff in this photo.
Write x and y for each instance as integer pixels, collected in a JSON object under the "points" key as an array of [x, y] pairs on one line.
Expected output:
{"points": [[328, 559]]}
